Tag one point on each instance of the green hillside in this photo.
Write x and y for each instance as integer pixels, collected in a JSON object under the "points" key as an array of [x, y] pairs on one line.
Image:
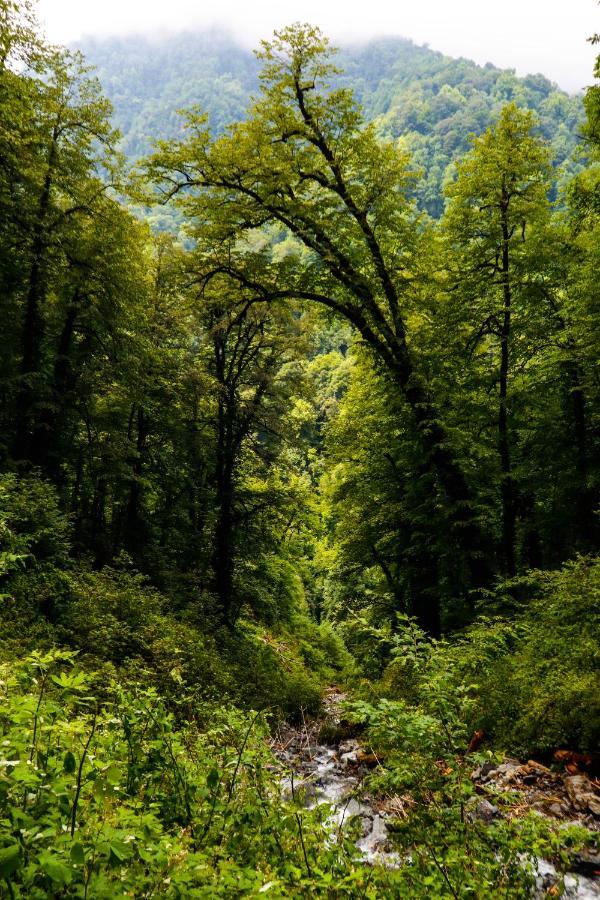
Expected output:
{"points": [[431, 101], [299, 486]]}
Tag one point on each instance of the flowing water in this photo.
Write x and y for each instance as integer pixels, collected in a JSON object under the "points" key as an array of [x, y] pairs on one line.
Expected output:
{"points": [[329, 773]]}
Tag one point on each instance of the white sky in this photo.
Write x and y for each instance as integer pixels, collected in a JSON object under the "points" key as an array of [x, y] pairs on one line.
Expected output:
{"points": [[547, 36]]}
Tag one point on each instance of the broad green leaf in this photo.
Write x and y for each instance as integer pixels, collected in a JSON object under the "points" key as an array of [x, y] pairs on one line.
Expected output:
{"points": [[10, 858]]}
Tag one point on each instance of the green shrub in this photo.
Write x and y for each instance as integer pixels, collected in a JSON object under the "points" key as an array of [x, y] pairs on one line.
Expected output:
{"points": [[116, 799], [537, 672], [29, 510], [543, 692], [370, 645], [421, 741]]}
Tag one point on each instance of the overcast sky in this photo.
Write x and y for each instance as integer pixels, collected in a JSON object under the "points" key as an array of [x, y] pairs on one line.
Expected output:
{"points": [[546, 36]]}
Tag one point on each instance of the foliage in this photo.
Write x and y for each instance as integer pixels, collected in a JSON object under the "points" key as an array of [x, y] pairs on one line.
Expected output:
{"points": [[100, 801], [318, 437], [116, 797], [529, 665], [421, 741], [116, 620], [34, 524], [539, 687], [431, 103]]}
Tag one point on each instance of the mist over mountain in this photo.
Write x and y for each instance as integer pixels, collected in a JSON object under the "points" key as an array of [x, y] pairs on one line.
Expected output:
{"points": [[299, 458], [430, 101]]}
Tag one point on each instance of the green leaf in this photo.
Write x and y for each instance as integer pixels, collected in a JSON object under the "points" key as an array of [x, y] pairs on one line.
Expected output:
{"points": [[212, 779], [76, 681], [69, 762], [10, 858], [113, 775], [56, 870], [119, 850], [78, 854]]}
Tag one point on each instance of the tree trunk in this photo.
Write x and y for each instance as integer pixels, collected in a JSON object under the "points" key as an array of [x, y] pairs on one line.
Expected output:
{"points": [[223, 560], [45, 430], [223, 554], [425, 602], [506, 485], [586, 526], [135, 532], [33, 325]]}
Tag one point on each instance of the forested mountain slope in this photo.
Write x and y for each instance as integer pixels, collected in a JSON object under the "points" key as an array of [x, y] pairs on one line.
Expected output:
{"points": [[304, 503], [431, 101]]}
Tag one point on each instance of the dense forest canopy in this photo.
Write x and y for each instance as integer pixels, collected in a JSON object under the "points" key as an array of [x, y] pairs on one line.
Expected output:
{"points": [[431, 101], [317, 468]]}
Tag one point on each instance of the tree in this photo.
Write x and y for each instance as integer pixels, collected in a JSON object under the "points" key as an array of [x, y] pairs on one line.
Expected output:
{"points": [[305, 164], [20, 44], [583, 315], [497, 203], [251, 363], [390, 551], [56, 187]]}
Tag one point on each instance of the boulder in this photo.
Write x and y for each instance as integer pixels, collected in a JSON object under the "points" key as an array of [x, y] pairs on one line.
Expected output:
{"points": [[582, 794], [350, 758], [482, 810]]}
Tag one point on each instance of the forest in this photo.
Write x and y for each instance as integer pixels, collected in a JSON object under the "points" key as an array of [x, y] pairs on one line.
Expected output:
{"points": [[299, 476], [431, 101]]}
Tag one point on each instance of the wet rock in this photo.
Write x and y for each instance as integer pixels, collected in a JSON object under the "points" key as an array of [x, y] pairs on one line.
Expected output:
{"points": [[485, 770], [482, 810], [366, 825], [534, 766], [576, 887], [582, 795], [350, 758], [348, 746], [503, 773], [594, 806], [558, 810], [375, 841], [587, 862], [349, 752]]}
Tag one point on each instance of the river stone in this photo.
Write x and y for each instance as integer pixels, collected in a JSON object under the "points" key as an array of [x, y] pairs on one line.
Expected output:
{"points": [[348, 746], [587, 862], [482, 810], [484, 771], [350, 758], [557, 809], [366, 825], [582, 795]]}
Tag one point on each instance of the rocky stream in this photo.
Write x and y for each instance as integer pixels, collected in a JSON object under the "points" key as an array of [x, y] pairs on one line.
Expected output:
{"points": [[333, 773]]}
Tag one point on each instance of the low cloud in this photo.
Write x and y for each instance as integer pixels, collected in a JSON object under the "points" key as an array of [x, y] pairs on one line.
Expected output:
{"points": [[546, 36]]}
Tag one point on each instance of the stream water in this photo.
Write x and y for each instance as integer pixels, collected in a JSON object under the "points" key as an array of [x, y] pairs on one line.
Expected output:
{"points": [[329, 773]]}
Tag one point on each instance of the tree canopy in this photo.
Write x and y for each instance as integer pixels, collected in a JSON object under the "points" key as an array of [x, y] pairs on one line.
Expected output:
{"points": [[299, 479]]}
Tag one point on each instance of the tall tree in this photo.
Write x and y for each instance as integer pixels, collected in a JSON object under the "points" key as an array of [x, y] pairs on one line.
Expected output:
{"points": [[66, 177], [306, 164], [251, 360], [497, 202]]}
